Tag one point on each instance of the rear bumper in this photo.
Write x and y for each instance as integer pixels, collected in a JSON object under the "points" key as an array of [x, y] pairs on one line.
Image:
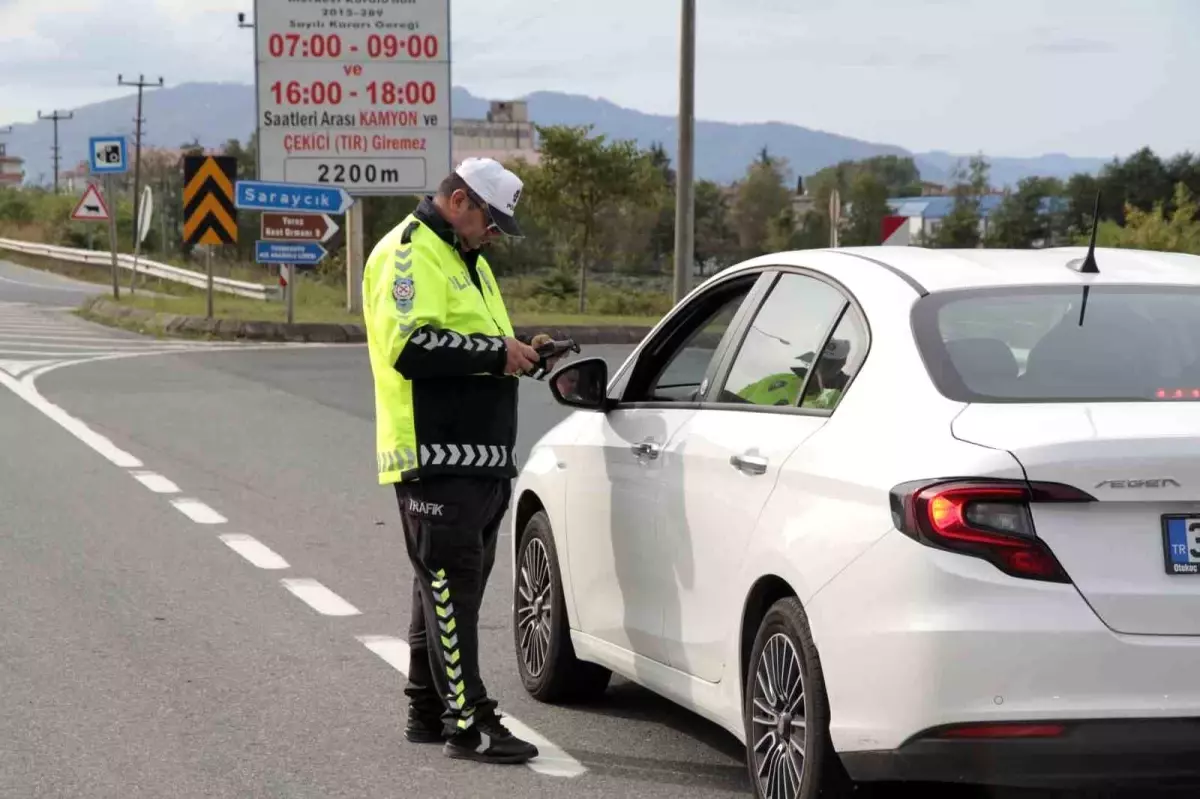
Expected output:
{"points": [[912, 639], [1125, 753]]}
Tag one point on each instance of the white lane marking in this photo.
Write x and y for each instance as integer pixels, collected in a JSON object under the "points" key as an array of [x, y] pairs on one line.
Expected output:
{"points": [[197, 511], [156, 482], [24, 389], [83, 288], [18, 368], [552, 760], [319, 598], [253, 550], [82, 336]]}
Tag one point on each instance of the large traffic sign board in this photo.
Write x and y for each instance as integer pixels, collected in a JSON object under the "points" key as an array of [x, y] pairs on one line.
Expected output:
{"points": [[300, 253], [257, 195], [108, 155], [297, 227], [91, 207], [360, 100], [209, 213]]}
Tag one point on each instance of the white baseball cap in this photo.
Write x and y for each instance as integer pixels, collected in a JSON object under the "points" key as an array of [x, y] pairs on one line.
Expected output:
{"points": [[496, 186]]}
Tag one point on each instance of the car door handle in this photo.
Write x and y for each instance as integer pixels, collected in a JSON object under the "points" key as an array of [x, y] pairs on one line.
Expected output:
{"points": [[750, 464], [648, 448]]}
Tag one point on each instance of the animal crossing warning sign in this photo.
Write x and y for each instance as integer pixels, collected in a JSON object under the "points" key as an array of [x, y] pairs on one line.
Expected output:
{"points": [[91, 207]]}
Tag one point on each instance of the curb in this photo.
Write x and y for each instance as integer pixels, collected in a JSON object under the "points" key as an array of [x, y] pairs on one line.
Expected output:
{"points": [[104, 310]]}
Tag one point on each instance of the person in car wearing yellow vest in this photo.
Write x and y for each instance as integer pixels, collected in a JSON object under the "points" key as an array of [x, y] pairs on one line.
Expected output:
{"points": [[824, 389], [446, 364]]}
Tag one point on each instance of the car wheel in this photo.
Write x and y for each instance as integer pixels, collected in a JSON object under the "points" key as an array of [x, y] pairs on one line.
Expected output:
{"points": [[545, 657], [786, 712]]}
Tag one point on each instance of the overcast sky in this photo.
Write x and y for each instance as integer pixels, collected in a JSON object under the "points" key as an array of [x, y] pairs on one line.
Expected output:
{"points": [[1009, 77]]}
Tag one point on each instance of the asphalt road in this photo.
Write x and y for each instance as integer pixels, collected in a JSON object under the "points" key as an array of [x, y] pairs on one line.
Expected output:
{"points": [[207, 590]]}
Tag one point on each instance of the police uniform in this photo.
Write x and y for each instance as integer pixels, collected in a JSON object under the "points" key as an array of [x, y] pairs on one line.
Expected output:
{"points": [[446, 426]]}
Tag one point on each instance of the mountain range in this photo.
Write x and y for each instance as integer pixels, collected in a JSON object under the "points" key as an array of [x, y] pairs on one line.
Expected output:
{"points": [[213, 113]]}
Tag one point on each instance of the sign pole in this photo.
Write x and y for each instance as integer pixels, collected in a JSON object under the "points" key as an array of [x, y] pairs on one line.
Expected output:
{"points": [[355, 256], [208, 253], [291, 293], [112, 238]]}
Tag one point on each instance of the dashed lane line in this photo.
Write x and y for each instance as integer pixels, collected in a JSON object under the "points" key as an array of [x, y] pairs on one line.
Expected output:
{"points": [[198, 512], [156, 482], [253, 550], [552, 760], [319, 598]]}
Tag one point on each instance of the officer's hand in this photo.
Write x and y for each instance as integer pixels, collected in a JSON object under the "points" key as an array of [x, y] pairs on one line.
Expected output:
{"points": [[521, 357], [546, 338]]}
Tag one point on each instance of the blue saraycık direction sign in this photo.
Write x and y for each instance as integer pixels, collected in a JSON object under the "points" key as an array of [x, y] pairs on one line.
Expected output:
{"points": [[255, 195], [108, 155], [300, 253]]}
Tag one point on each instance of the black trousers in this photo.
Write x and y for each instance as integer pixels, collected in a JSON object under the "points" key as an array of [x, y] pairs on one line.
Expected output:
{"points": [[450, 529]]}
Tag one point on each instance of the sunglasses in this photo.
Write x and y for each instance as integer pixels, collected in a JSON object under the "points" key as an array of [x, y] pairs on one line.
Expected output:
{"points": [[478, 202]]}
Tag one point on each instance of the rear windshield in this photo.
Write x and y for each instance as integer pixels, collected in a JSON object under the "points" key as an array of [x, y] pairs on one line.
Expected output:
{"points": [[1028, 344]]}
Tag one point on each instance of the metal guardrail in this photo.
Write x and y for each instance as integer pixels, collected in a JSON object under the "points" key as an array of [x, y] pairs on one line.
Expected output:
{"points": [[241, 288]]}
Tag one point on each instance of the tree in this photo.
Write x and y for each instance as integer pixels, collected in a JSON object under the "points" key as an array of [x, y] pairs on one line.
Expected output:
{"points": [[590, 179], [1030, 215], [868, 197], [960, 228], [761, 198], [1177, 230]]}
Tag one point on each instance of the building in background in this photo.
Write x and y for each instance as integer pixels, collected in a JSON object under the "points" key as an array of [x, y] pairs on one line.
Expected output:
{"points": [[12, 168], [506, 134], [914, 217]]}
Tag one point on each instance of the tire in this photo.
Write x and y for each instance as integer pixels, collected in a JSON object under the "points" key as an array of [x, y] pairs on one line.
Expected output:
{"points": [[550, 673], [784, 638]]}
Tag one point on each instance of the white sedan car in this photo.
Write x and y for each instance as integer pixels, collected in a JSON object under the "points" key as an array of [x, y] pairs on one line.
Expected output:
{"points": [[889, 514]]}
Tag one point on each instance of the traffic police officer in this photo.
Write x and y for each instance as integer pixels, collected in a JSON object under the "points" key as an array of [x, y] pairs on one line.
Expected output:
{"points": [[446, 365]]}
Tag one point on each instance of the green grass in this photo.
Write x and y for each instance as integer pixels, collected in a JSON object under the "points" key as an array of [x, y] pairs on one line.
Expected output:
{"points": [[321, 302]]}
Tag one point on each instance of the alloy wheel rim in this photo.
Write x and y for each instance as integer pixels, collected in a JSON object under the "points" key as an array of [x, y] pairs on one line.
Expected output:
{"points": [[778, 721], [534, 606]]}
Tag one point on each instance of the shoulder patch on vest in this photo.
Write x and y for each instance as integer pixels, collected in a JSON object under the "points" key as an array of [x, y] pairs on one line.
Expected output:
{"points": [[406, 236]]}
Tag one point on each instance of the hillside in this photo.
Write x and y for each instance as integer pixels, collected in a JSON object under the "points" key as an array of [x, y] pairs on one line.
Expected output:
{"points": [[212, 113]]}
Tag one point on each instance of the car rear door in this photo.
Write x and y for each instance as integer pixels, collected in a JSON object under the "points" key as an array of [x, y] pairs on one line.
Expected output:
{"points": [[720, 469]]}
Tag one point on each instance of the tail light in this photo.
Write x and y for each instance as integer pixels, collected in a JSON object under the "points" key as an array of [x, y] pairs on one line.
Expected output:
{"points": [[985, 519]]}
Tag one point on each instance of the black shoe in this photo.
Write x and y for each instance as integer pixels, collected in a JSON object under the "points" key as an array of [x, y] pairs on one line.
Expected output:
{"points": [[425, 729], [487, 741]]}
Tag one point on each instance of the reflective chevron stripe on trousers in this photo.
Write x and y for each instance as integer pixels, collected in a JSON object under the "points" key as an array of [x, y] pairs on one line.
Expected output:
{"points": [[451, 524]]}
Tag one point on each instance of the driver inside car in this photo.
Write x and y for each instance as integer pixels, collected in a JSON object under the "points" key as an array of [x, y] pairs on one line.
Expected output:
{"points": [[783, 389]]}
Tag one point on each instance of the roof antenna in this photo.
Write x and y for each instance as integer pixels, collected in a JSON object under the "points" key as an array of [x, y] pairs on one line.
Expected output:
{"points": [[1088, 264]]}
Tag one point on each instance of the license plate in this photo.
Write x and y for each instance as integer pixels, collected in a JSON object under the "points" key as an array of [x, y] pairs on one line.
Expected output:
{"points": [[1181, 538]]}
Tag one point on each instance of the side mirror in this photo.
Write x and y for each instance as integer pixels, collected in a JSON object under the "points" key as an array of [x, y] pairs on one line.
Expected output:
{"points": [[582, 384]]}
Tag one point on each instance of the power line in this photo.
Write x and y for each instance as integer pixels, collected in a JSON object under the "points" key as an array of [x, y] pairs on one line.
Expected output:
{"points": [[141, 84], [55, 117]]}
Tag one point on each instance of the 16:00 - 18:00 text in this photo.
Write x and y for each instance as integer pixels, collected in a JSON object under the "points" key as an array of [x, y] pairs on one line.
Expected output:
{"points": [[332, 93]]}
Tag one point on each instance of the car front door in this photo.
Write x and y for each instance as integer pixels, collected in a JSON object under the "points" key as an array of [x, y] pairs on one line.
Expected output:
{"points": [[721, 466], [614, 467]]}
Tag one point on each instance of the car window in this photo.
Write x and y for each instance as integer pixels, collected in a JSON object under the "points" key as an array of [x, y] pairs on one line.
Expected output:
{"points": [[1044, 344], [682, 378], [839, 362], [790, 326]]}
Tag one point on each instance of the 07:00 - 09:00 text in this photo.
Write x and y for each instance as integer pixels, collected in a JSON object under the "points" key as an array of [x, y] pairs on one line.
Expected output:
{"points": [[330, 45]]}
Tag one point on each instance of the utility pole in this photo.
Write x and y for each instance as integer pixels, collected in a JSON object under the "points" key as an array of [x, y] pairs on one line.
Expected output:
{"points": [[685, 212], [137, 148], [55, 117]]}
